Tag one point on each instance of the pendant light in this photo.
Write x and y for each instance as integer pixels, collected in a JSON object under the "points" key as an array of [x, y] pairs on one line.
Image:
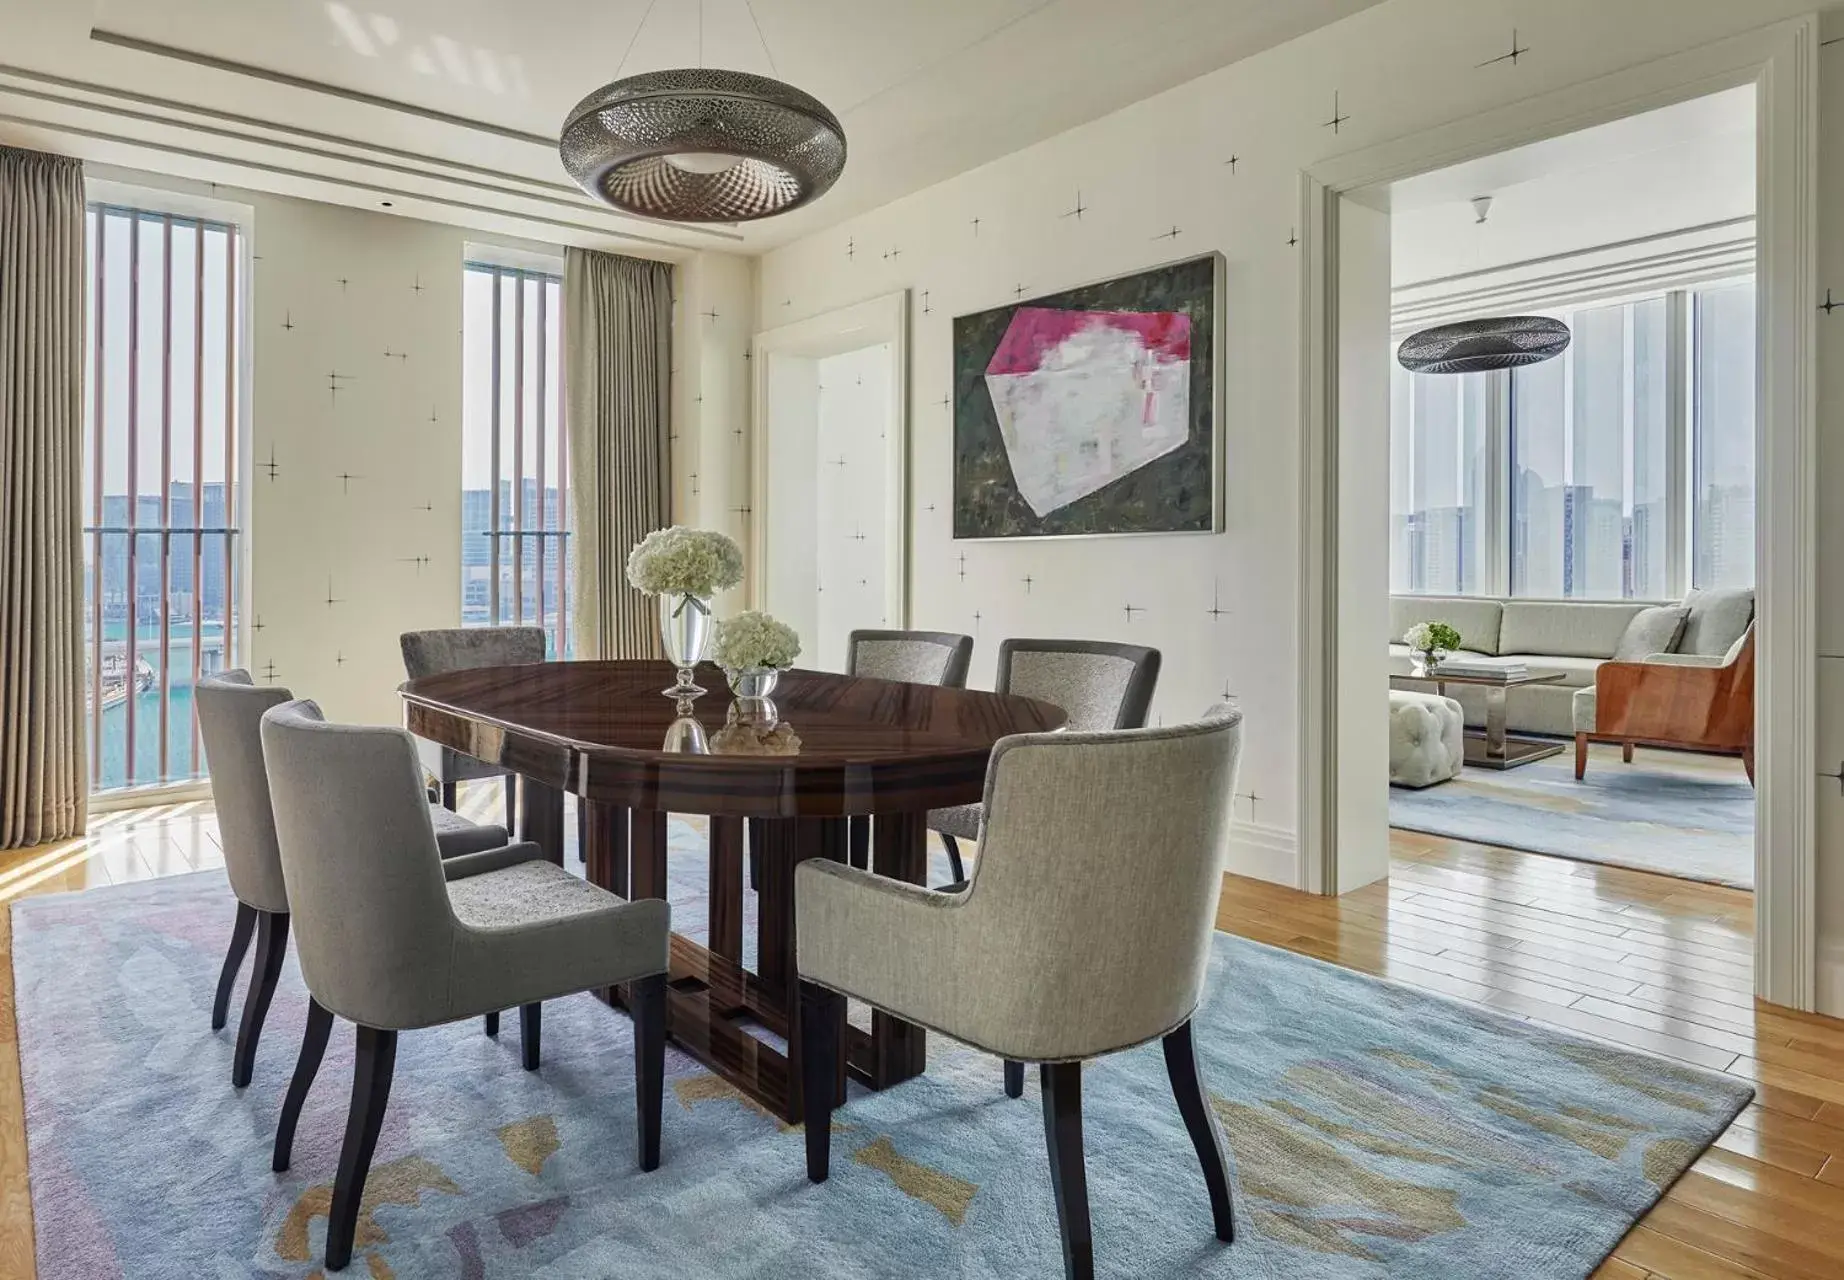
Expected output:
{"points": [[702, 144], [1484, 345]]}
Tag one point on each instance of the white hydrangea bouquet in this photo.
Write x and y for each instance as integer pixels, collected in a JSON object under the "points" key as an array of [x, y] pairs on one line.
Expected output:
{"points": [[753, 649], [684, 562], [684, 568], [1431, 642]]}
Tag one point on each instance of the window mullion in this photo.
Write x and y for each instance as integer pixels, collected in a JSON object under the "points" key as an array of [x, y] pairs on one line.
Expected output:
{"points": [[1679, 355]]}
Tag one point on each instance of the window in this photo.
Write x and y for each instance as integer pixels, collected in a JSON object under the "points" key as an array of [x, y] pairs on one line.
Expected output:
{"points": [[1589, 466], [515, 470], [1624, 469], [1439, 483], [160, 497], [1722, 444]]}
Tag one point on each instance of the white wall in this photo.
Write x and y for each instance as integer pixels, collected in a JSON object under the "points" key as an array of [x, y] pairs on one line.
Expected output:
{"points": [[340, 566], [850, 546], [966, 244], [1829, 728]]}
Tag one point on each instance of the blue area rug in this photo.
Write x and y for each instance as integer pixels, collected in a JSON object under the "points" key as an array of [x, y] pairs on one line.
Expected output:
{"points": [[1374, 1131], [1676, 814]]}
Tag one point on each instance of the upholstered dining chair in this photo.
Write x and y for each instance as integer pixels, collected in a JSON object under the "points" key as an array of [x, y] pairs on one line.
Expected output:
{"points": [[393, 938], [914, 657], [1114, 962], [230, 711], [1098, 684], [429, 653]]}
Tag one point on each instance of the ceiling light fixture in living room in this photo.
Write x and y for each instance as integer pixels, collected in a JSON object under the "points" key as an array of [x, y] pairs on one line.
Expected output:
{"points": [[702, 144], [1480, 346]]}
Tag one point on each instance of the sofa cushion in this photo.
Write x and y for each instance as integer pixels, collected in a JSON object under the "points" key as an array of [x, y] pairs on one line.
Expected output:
{"points": [[1716, 620], [1576, 672], [1570, 628], [1651, 631], [1475, 618]]}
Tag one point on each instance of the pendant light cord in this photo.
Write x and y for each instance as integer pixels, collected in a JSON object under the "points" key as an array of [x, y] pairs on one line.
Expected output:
{"points": [[700, 35], [633, 39], [766, 51]]}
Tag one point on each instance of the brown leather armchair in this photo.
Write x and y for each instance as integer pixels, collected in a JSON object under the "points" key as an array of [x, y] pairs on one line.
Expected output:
{"points": [[1672, 700]]}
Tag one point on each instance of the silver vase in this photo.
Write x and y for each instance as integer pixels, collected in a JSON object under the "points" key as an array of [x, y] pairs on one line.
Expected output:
{"points": [[685, 631], [753, 682]]}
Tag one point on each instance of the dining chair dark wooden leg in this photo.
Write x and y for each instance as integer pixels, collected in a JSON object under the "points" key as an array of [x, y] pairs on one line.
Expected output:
{"points": [[371, 1091], [648, 997], [307, 1066], [271, 948], [449, 792], [860, 854], [531, 1028], [1068, 1173], [820, 1015], [491, 1022], [1014, 1079], [1194, 1106], [955, 865], [510, 785], [233, 962]]}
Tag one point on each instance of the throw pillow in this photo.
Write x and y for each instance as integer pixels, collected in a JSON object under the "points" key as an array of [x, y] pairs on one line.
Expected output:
{"points": [[1717, 618], [1651, 631]]}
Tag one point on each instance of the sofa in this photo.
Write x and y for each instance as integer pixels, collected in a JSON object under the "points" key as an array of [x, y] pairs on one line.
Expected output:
{"points": [[1571, 636]]}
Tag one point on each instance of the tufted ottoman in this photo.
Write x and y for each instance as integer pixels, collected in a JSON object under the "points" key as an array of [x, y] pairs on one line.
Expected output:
{"points": [[1426, 738]]}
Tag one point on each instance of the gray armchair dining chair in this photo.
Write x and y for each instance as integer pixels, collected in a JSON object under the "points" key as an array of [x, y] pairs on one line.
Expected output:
{"points": [[939, 658], [1098, 684], [429, 653], [394, 939], [230, 711], [1114, 961]]}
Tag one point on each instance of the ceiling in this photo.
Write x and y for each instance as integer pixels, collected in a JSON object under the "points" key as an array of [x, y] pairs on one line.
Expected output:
{"points": [[1698, 127], [457, 100]]}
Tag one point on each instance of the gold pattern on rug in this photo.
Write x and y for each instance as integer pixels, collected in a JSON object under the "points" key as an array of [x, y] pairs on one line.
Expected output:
{"points": [[944, 1191], [529, 1143], [400, 1182]]}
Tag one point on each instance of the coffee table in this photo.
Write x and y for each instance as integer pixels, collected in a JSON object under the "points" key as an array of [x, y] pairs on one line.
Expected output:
{"points": [[1493, 748]]}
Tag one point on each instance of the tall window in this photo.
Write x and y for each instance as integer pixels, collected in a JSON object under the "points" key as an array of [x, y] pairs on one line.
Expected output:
{"points": [[161, 501], [1623, 469], [515, 471]]}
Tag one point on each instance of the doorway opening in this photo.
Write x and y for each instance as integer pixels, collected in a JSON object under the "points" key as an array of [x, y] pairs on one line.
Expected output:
{"points": [[829, 507], [1585, 525]]}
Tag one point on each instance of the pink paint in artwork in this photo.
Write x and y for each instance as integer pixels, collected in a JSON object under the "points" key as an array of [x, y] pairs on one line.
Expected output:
{"points": [[1085, 397], [1165, 335]]}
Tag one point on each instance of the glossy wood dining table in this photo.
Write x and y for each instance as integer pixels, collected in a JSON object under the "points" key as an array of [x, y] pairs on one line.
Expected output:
{"points": [[783, 789]]}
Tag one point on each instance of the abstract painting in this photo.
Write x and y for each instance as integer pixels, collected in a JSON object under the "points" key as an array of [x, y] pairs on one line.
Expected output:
{"points": [[1091, 411]]}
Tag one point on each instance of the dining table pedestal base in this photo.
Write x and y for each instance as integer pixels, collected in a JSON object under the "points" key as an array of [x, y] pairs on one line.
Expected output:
{"points": [[745, 1025]]}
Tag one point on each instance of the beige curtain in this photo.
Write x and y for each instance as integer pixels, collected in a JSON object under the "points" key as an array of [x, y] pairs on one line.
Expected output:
{"points": [[617, 369], [43, 788]]}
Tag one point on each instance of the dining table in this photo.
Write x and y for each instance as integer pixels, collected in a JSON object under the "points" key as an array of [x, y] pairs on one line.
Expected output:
{"points": [[778, 780]]}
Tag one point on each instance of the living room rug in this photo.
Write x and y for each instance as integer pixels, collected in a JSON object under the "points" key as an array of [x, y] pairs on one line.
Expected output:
{"points": [[1374, 1130], [1677, 814]]}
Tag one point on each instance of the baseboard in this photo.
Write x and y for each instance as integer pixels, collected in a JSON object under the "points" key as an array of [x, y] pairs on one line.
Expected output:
{"points": [[1830, 992], [1264, 853]]}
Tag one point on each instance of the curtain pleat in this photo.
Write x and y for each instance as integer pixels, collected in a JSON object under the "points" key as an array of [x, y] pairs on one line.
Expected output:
{"points": [[617, 369], [43, 788]]}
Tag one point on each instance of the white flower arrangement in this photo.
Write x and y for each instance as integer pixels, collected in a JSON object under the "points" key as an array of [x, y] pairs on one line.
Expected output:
{"points": [[754, 641], [1431, 637], [682, 561]]}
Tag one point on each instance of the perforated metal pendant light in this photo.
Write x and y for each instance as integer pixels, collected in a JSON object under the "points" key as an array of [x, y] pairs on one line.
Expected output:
{"points": [[702, 145], [1480, 346]]}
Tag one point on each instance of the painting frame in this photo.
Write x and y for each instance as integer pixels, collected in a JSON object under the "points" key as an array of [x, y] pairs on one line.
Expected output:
{"points": [[973, 412]]}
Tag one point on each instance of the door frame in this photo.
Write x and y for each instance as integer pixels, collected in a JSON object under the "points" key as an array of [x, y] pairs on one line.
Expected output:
{"points": [[884, 318], [1781, 61]]}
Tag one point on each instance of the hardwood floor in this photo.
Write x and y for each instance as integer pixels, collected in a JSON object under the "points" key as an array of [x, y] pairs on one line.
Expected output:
{"points": [[1634, 959]]}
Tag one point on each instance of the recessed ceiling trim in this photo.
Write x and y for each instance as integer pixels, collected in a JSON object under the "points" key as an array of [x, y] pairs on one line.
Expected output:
{"points": [[158, 50], [432, 168], [189, 109], [351, 184]]}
